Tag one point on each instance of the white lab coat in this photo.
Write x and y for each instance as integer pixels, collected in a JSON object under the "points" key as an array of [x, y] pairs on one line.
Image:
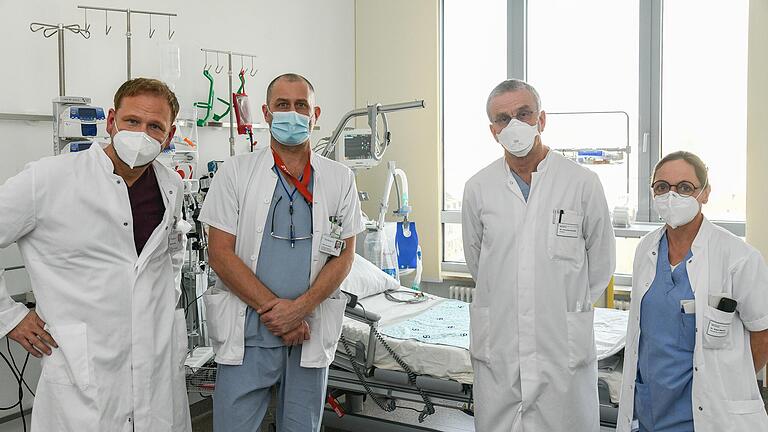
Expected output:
{"points": [[533, 352], [119, 365], [238, 203], [725, 393]]}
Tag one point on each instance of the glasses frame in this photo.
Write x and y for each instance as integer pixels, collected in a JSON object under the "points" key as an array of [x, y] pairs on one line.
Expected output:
{"points": [[676, 186], [522, 115], [292, 229]]}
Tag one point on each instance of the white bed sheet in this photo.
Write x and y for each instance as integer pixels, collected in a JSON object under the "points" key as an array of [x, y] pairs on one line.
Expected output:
{"points": [[426, 359], [451, 362], [610, 331]]}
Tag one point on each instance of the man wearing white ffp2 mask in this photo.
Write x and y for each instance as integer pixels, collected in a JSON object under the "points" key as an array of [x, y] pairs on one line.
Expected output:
{"points": [[103, 241], [539, 243], [135, 148]]}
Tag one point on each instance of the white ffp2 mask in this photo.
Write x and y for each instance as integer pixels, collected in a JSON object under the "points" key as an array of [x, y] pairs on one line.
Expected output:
{"points": [[518, 137], [135, 148], [676, 210]]}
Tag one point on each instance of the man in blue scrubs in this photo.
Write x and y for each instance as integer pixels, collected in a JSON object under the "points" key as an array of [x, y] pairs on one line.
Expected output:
{"points": [[275, 316]]}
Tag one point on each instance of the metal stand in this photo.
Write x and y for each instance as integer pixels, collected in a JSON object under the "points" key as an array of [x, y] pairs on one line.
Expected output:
{"points": [[128, 34], [58, 29], [627, 149], [372, 111], [229, 55]]}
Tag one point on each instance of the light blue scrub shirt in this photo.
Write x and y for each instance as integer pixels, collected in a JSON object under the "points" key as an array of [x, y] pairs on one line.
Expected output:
{"points": [[282, 268], [525, 188], [665, 357]]}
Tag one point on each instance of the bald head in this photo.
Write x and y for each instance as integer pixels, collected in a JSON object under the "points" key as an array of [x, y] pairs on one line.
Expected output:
{"points": [[290, 77]]}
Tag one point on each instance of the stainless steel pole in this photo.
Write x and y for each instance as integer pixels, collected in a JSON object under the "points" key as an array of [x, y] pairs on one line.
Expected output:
{"points": [[231, 109], [128, 40], [62, 89]]}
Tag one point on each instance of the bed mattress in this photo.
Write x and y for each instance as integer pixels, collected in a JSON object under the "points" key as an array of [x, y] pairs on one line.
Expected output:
{"points": [[451, 362]]}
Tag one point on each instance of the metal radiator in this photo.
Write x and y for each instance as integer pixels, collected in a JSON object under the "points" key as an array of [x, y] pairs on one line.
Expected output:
{"points": [[463, 293]]}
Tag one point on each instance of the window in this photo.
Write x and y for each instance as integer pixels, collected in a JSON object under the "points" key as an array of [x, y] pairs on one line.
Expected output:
{"points": [[577, 69], [475, 61], [704, 95], [640, 85]]}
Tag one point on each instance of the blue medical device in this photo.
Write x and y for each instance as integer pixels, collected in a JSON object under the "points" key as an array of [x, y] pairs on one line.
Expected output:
{"points": [[407, 242], [81, 121]]}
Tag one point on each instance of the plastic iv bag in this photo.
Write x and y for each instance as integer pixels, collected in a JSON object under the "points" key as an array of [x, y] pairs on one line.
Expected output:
{"points": [[170, 62], [378, 250]]}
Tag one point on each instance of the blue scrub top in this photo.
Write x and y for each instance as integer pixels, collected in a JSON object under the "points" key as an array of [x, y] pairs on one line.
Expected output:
{"points": [[282, 268], [525, 188], [665, 358]]}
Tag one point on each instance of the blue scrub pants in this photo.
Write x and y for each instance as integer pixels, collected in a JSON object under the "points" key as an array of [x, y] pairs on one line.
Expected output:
{"points": [[242, 393]]}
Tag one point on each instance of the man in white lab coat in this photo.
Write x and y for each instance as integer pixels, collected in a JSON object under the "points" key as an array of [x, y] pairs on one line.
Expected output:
{"points": [[539, 243], [278, 217], [103, 243]]}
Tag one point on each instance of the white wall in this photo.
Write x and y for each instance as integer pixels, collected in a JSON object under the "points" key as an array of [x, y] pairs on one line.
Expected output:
{"points": [[315, 39], [757, 130]]}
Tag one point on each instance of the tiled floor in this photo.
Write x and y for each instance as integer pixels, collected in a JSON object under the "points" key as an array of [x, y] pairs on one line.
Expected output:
{"points": [[443, 420]]}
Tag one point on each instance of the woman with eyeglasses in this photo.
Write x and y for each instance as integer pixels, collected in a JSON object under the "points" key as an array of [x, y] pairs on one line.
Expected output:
{"points": [[698, 324]]}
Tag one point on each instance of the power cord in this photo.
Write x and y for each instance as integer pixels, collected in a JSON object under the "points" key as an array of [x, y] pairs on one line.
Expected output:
{"points": [[18, 375], [429, 408], [416, 297]]}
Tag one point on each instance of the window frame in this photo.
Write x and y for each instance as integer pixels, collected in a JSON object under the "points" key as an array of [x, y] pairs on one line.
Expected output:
{"points": [[649, 117]]}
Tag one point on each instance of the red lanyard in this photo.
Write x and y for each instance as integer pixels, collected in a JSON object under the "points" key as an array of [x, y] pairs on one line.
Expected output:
{"points": [[301, 185]]}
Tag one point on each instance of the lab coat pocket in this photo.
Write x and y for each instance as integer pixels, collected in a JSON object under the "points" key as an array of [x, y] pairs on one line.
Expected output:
{"points": [[716, 331], [181, 418], [479, 335], [581, 338], [219, 319], [745, 406], [180, 338], [565, 241], [69, 363], [325, 330], [332, 320]]}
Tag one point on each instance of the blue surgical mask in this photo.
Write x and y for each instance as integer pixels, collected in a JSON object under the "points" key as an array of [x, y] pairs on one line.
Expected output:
{"points": [[289, 127]]}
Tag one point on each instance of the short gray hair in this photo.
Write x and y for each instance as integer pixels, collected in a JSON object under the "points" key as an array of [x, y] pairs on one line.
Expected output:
{"points": [[511, 85]]}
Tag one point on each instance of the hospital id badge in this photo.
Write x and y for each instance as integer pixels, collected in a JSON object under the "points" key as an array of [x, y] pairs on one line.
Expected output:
{"points": [[331, 245], [567, 230], [717, 329], [567, 223], [175, 241]]}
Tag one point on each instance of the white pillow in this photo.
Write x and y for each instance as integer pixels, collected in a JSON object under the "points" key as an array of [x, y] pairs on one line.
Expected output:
{"points": [[365, 279]]}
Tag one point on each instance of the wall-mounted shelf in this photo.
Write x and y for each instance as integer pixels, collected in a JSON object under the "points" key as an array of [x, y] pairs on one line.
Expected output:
{"points": [[26, 117], [224, 125], [215, 124]]}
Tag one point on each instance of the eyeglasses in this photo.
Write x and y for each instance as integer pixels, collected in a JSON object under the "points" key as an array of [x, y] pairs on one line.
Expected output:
{"points": [[684, 188], [292, 229], [503, 119]]}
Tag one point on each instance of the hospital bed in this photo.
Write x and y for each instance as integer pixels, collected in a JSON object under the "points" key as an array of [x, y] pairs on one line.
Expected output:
{"points": [[437, 373]]}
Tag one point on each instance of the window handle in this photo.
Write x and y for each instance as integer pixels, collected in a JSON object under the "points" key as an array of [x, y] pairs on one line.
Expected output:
{"points": [[645, 141]]}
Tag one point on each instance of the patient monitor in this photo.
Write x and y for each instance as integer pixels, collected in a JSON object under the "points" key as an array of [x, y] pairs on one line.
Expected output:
{"points": [[357, 149]]}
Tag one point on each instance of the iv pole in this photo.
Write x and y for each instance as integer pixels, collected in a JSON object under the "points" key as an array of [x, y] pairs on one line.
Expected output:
{"points": [[58, 29], [128, 34], [229, 55]]}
